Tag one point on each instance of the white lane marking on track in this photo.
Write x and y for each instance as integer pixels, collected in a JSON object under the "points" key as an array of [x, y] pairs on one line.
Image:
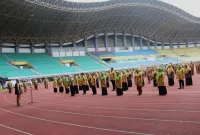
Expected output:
{"points": [[116, 117], [71, 124], [20, 131], [105, 108], [114, 98], [115, 102]]}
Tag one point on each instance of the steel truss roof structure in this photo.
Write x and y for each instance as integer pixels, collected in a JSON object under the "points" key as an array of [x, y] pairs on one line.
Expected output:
{"points": [[59, 21]]}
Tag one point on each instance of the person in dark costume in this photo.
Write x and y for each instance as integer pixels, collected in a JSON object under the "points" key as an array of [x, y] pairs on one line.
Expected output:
{"points": [[55, 85], [76, 84], [18, 92], [124, 81], [84, 83], [107, 80], [66, 84], [161, 82], [103, 85], [138, 81], [93, 84], [129, 78], [188, 76], [113, 78], [9, 85], [119, 84], [80, 82], [60, 85], [71, 84], [154, 75], [180, 76], [97, 80], [170, 75]]}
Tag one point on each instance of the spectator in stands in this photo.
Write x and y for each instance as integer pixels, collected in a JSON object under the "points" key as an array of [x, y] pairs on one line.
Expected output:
{"points": [[180, 76], [161, 82], [113, 78], [18, 92]]}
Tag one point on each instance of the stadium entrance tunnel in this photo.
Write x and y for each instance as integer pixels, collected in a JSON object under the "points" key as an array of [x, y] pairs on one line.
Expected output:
{"points": [[107, 59]]}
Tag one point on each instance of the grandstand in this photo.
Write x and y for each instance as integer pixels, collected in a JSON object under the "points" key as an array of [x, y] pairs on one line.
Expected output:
{"points": [[48, 38], [49, 44]]}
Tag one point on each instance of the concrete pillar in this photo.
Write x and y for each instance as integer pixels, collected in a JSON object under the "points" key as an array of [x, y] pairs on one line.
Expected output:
{"points": [[74, 43], [32, 48], [0, 47], [115, 39], [85, 42], [141, 45], [155, 44], [163, 45], [178, 44], [187, 44], [96, 42], [148, 43], [133, 41], [16, 48], [106, 41], [124, 39]]}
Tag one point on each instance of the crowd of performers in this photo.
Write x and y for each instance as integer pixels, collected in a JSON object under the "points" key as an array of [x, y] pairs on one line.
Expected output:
{"points": [[121, 80]]}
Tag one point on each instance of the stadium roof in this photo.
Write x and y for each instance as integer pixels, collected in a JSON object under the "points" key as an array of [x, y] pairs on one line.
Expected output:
{"points": [[53, 21]]}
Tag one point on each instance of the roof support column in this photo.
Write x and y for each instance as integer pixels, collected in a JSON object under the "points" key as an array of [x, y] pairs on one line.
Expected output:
{"points": [[155, 44], [186, 44], [85, 42], [74, 43], [195, 43], [32, 48], [163, 45], [16, 48], [0, 47], [178, 44], [96, 42], [141, 45], [148, 43], [115, 39], [124, 39], [47, 48], [106, 40], [133, 41], [171, 45]]}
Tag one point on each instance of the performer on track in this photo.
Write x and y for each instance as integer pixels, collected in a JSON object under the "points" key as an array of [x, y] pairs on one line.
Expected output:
{"points": [[119, 84], [138, 81], [161, 82], [180, 76], [113, 78], [103, 85], [18, 92], [93, 84], [170, 75]]}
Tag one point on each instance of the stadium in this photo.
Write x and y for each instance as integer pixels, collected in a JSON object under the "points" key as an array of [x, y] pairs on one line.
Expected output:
{"points": [[50, 38]]}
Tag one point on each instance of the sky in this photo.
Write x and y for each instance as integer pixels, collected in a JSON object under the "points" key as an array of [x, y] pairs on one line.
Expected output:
{"points": [[190, 6]]}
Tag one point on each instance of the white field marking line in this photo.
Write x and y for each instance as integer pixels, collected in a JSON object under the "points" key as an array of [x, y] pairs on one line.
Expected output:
{"points": [[113, 102], [71, 124], [103, 116], [20, 131], [105, 108]]}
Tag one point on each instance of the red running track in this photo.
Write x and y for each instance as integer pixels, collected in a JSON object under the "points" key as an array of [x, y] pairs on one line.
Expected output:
{"points": [[178, 113]]}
